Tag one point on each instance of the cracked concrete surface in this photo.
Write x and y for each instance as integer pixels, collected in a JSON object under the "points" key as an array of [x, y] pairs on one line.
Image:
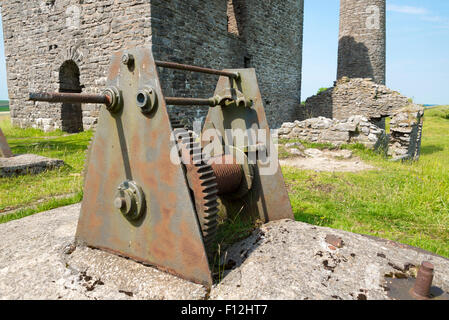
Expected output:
{"points": [[281, 260], [292, 260], [38, 261]]}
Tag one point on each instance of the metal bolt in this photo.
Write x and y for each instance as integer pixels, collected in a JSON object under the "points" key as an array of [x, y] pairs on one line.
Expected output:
{"points": [[115, 98], [119, 203], [424, 279], [146, 99], [128, 59]]}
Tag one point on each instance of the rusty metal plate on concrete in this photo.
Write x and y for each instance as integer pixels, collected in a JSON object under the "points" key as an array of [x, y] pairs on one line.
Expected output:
{"points": [[133, 146], [268, 199]]}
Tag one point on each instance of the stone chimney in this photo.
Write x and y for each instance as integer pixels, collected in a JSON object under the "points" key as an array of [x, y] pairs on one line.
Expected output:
{"points": [[362, 40]]}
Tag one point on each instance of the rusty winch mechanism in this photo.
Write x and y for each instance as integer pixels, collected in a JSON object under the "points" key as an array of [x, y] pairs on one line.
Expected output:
{"points": [[141, 201]]}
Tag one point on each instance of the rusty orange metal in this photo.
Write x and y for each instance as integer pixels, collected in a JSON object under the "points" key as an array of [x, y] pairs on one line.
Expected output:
{"points": [[138, 202], [268, 198], [130, 145]]}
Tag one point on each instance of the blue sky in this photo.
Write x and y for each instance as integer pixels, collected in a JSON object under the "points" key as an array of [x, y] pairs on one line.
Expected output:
{"points": [[417, 48]]}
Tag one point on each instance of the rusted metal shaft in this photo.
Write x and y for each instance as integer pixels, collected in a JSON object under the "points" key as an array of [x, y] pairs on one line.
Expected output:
{"points": [[59, 97], [178, 66], [189, 101], [229, 174]]}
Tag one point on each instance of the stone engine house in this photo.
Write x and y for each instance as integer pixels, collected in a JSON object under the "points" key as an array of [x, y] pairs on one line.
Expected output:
{"points": [[66, 45]]}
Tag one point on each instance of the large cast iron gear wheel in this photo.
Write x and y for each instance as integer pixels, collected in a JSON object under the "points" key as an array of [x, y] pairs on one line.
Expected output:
{"points": [[202, 183]]}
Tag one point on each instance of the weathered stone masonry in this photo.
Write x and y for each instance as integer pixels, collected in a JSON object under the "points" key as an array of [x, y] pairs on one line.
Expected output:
{"points": [[43, 35], [362, 40], [355, 97]]}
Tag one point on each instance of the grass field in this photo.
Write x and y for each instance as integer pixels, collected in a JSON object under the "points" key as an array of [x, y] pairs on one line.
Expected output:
{"points": [[35, 193], [405, 202], [4, 105]]}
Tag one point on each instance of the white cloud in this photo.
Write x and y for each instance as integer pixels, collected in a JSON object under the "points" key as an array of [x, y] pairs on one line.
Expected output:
{"points": [[407, 9], [423, 13]]}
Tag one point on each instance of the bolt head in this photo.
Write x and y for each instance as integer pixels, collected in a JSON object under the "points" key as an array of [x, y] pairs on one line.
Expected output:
{"points": [[119, 203], [146, 99], [127, 59]]}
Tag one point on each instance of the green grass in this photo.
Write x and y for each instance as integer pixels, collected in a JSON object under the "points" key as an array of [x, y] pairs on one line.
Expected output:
{"points": [[4, 105], [46, 188], [405, 202], [45, 206], [442, 112]]}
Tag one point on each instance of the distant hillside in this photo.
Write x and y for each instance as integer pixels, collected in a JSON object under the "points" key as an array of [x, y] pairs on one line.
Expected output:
{"points": [[4, 105]]}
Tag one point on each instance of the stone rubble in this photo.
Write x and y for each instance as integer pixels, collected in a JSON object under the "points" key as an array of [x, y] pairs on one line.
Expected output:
{"points": [[356, 129], [404, 142], [406, 133], [27, 164]]}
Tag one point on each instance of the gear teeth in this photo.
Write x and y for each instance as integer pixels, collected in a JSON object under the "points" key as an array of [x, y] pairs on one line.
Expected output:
{"points": [[206, 200], [210, 205], [208, 180]]}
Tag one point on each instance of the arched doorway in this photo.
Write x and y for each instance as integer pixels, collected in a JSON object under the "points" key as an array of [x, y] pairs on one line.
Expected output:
{"points": [[71, 113]]}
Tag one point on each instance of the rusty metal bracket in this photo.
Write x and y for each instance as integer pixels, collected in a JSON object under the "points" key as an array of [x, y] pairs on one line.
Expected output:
{"points": [[232, 96], [134, 144], [264, 196]]}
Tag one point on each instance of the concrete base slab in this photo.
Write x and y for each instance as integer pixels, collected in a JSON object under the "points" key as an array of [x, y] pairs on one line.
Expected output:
{"points": [[292, 260], [27, 164], [38, 261], [281, 260]]}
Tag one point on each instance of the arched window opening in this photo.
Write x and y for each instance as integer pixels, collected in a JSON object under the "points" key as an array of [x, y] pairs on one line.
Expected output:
{"points": [[71, 113]]}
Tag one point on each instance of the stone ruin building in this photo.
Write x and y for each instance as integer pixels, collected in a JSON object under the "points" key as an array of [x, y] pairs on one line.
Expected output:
{"points": [[361, 56], [355, 108], [66, 45]]}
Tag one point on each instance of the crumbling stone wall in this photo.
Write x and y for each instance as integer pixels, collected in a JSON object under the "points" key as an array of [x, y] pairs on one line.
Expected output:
{"points": [[356, 129], [403, 142], [406, 133], [41, 35], [354, 97], [362, 40]]}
